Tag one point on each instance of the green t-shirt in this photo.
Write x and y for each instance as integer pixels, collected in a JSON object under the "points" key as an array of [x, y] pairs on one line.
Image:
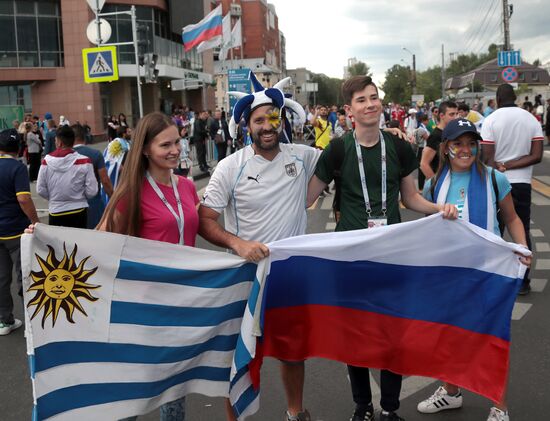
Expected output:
{"points": [[401, 161]]}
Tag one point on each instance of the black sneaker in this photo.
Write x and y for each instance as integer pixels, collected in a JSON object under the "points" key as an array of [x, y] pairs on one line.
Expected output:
{"points": [[390, 416], [525, 288], [363, 413]]}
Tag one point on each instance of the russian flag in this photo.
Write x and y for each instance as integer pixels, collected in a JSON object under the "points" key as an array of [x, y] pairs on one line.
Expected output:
{"points": [[431, 298], [209, 27]]}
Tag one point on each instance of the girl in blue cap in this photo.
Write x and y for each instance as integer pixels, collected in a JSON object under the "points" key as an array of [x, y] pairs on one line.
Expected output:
{"points": [[479, 193]]}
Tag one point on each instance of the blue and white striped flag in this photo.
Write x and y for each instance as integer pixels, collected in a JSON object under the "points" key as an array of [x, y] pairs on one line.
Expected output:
{"points": [[117, 326]]}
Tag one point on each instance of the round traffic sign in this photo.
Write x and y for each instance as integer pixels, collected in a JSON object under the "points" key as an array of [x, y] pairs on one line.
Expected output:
{"points": [[509, 74], [104, 32]]}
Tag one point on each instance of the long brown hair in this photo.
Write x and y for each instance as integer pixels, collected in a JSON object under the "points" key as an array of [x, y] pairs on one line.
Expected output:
{"points": [[445, 161], [131, 178]]}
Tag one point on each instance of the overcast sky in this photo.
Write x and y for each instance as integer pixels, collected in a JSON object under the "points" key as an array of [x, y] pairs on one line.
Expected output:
{"points": [[322, 34]]}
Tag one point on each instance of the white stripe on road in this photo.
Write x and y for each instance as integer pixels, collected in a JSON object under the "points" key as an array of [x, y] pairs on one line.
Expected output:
{"points": [[331, 226], [544, 179], [537, 233], [538, 285], [543, 264], [327, 203], [542, 247], [539, 199], [520, 309]]}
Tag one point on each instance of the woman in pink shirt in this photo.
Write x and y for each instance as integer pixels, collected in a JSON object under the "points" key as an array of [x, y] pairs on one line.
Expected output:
{"points": [[150, 202]]}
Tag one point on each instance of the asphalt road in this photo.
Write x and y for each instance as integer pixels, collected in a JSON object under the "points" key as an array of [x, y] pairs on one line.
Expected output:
{"points": [[327, 392]]}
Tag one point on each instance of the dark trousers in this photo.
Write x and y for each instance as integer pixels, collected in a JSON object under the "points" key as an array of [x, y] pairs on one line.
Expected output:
{"points": [[521, 195], [34, 165], [74, 219], [222, 150], [10, 259], [200, 145], [390, 387], [421, 176]]}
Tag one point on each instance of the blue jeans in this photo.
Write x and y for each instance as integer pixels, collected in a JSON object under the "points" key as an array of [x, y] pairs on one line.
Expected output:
{"points": [[171, 411]]}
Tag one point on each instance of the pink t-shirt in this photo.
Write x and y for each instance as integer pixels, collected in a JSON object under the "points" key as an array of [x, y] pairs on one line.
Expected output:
{"points": [[158, 223]]}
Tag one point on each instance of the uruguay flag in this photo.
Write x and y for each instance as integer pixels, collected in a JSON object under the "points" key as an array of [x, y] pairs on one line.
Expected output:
{"points": [[117, 326], [431, 297], [209, 27]]}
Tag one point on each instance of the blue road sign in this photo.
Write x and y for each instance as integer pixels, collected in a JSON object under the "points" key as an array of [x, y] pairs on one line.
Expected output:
{"points": [[100, 64], [239, 81], [509, 58]]}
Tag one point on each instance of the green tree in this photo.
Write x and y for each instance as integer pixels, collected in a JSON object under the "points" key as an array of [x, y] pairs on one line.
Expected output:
{"points": [[397, 85], [329, 90], [360, 69], [537, 62]]}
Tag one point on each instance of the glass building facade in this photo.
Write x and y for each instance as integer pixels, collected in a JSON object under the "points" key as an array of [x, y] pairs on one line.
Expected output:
{"points": [[31, 33]]}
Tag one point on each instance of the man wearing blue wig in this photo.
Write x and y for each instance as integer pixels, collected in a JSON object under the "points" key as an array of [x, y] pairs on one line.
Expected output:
{"points": [[261, 189]]}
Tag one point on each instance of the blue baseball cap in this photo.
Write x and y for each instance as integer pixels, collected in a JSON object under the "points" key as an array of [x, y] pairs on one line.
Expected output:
{"points": [[458, 127], [48, 116]]}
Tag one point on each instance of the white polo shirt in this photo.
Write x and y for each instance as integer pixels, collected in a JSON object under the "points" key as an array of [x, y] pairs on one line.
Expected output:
{"points": [[263, 200], [512, 130]]}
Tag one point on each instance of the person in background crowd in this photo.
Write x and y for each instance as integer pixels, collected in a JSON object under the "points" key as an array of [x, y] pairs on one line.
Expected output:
{"points": [[512, 143], [96, 206], [547, 126], [464, 111], [63, 121], [333, 116], [200, 136], [44, 124], [489, 108], [153, 203], [34, 149], [434, 119], [421, 135], [49, 143], [430, 156], [322, 127], [114, 156], [122, 120], [411, 122], [186, 163], [341, 127], [219, 132], [16, 212], [66, 179], [112, 126]]}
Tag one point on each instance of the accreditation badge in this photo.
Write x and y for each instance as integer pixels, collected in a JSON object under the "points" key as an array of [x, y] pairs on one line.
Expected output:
{"points": [[377, 222]]}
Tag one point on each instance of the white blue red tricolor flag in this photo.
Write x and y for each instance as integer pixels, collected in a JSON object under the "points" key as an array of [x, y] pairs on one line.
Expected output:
{"points": [[116, 325], [209, 27]]}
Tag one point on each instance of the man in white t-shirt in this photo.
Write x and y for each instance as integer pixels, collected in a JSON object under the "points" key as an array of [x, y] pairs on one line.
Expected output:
{"points": [[261, 189], [512, 143]]}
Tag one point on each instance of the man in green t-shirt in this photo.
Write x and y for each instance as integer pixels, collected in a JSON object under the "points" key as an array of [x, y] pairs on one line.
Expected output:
{"points": [[372, 159]]}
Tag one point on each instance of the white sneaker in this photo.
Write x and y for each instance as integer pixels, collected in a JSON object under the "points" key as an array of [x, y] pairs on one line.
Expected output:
{"points": [[498, 415], [439, 401], [6, 328]]}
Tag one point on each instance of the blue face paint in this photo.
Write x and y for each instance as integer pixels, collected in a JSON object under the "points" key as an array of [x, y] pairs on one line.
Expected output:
{"points": [[474, 151]]}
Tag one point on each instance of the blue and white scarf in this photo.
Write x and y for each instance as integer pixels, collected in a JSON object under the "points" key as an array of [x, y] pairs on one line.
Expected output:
{"points": [[478, 205]]}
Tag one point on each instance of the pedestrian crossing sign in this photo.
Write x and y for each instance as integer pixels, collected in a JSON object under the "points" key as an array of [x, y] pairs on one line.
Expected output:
{"points": [[100, 64]]}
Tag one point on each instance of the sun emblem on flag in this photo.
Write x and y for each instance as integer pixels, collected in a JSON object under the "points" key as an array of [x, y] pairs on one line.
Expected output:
{"points": [[60, 285]]}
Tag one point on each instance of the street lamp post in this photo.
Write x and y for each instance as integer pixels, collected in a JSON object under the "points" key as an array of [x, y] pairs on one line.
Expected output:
{"points": [[414, 69]]}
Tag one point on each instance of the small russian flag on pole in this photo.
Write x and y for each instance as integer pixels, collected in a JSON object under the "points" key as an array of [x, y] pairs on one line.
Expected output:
{"points": [[209, 27]]}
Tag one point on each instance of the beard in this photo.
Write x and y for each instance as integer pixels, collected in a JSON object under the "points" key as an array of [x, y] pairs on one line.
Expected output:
{"points": [[257, 138]]}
